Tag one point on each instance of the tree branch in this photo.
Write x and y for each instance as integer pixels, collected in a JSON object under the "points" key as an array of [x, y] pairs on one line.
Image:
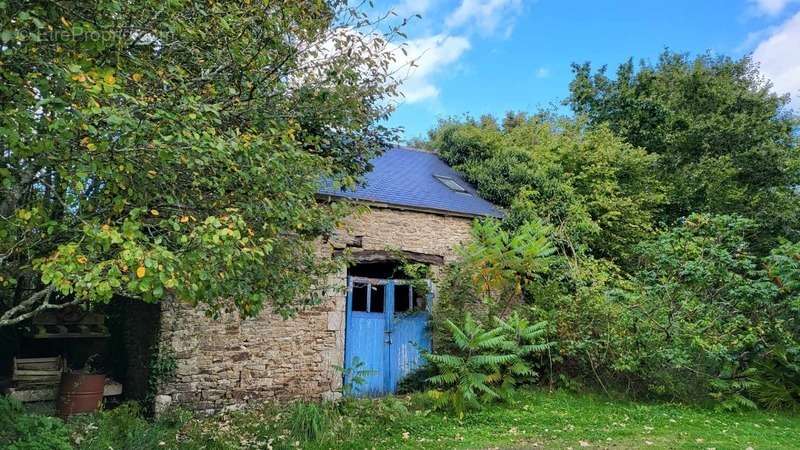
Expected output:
{"points": [[36, 303]]}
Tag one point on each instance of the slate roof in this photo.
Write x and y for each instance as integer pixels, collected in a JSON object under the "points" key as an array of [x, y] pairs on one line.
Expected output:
{"points": [[406, 177]]}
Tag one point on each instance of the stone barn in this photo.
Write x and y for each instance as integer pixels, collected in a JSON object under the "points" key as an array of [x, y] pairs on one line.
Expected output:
{"points": [[419, 211]]}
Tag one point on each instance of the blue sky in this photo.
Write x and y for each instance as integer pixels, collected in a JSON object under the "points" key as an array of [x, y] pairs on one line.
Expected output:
{"points": [[491, 56]]}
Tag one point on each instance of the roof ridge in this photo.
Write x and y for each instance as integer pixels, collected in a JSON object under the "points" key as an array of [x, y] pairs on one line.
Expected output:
{"points": [[414, 149]]}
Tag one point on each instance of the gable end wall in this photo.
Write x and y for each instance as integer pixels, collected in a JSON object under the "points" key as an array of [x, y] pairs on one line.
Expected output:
{"points": [[230, 362]]}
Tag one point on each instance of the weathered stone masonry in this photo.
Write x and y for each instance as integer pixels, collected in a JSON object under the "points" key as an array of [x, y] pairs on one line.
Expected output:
{"points": [[229, 362]]}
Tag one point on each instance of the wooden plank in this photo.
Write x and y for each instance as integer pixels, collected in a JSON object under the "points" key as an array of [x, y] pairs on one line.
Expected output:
{"points": [[37, 371], [377, 281], [39, 366], [71, 335], [370, 256], [388, 327], [36, 374], [369, 297], [55, 359], [33, 372]]}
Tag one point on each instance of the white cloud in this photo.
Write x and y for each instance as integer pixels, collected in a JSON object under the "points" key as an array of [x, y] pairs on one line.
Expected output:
{"points": [[430, 56], [442, 49], [487, 16], [542, 72], [771, 7], [779, 57]]}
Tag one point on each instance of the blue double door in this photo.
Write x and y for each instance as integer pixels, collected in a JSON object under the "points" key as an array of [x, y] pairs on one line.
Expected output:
{"points": [[385, 335]]}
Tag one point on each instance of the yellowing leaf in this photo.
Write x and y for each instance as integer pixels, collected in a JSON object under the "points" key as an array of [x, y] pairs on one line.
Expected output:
{"points": [[82, 259], [24, 214], [136, 77], [141, 271], [64, 21], [154, 212], [109, 78], [184, 219]]}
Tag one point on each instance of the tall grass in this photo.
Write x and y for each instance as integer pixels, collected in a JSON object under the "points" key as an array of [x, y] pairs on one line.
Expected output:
{"points": [[308, 421]]}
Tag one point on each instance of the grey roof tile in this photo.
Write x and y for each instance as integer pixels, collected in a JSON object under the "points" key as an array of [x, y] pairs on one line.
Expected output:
{"points": [[404, 176]]}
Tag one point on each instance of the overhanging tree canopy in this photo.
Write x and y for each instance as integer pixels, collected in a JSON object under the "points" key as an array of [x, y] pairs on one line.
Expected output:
{"points": [[153, 148]]}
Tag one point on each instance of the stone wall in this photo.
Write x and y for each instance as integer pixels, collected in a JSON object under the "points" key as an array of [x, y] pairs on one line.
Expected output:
{"points": [[229, 362], [383, 228]]}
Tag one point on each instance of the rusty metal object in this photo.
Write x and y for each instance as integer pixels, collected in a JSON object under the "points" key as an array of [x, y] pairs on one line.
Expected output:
{"points": [[79, 393]]}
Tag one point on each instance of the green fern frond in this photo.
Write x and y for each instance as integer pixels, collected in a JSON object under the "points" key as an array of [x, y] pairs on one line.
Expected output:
{"points": [[493, 378], [520, 368], [536, 348], [491, 360], [461, 339], [444, 379], [451, 361]]}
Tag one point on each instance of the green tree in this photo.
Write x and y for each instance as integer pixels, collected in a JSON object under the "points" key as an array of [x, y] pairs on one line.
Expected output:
{"points": [[158, 148], [700, 312], [727, 144], [599, 193]]}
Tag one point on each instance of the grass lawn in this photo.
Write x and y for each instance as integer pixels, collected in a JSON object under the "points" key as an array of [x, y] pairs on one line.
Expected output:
{"points": [[538, 419]]}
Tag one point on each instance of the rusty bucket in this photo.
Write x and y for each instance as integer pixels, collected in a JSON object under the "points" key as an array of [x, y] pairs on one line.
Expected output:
{"points": [[79, 393]]}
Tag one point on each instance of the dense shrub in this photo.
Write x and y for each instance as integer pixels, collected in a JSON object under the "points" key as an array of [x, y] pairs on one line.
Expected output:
{"points": [[488, 363], [697, 310], [698, 315], [498, 270], [22, 431]]}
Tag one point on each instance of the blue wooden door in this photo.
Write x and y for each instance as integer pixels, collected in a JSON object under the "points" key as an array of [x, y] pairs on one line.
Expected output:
{"points": [[410, 337], [382, 344]]}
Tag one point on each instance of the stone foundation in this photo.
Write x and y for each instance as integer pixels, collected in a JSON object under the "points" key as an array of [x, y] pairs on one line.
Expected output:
{"points": [[230, 362]]}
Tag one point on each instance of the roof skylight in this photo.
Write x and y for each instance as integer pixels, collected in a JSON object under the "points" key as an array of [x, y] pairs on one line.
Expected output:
{"points": [[451, 183]]}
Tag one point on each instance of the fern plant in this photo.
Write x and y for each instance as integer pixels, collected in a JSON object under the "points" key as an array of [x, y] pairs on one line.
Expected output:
{"points": [[777, 380], [730, 387], [525, 340], [470, 378]]}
